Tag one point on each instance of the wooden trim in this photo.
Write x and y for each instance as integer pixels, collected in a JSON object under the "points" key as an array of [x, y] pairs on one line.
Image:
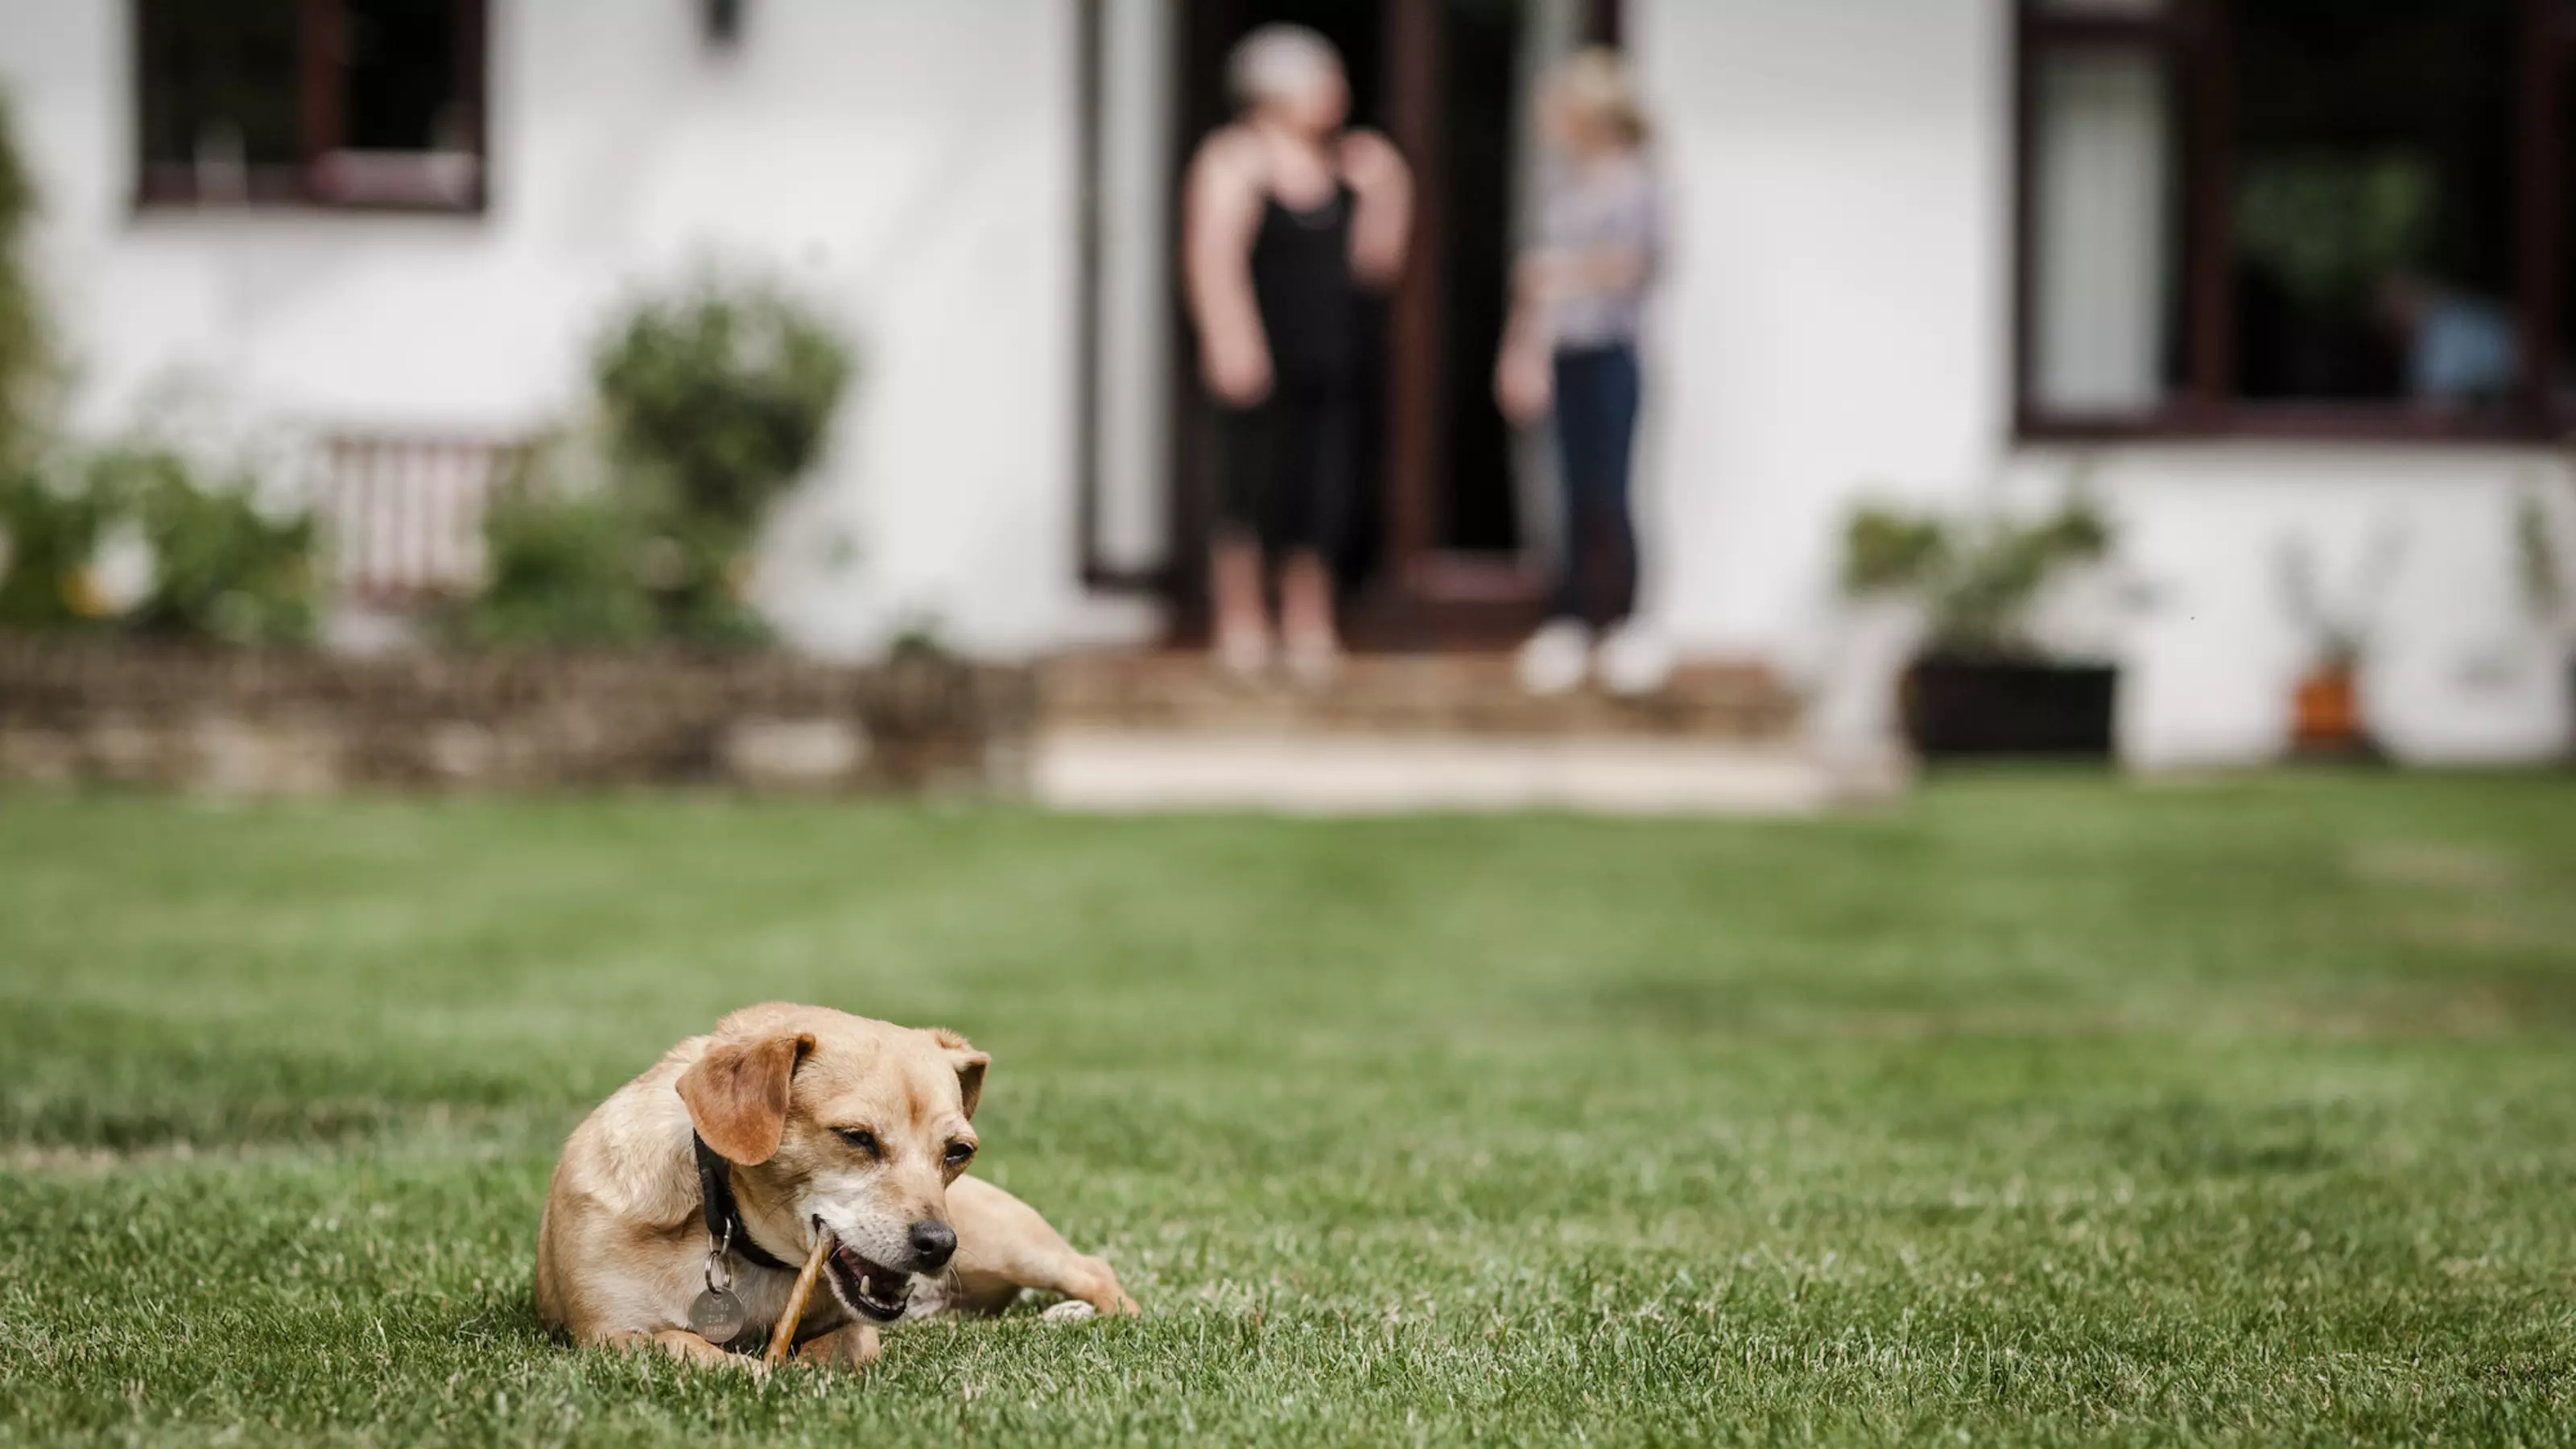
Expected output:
{"points": [[2209, 183], [323, 34], [473, 61], [2540, 228], [1605, 22], [2023, 56], [2184, 22], [2187, 422], [1090, 22], [1414, 87]]}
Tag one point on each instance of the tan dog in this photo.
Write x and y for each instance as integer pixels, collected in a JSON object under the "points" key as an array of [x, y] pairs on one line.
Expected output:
{"points": [[810, 1117]]}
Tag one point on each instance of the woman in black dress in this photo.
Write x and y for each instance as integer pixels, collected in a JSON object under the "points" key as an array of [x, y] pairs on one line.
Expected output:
{"points": [[1289, 218]]}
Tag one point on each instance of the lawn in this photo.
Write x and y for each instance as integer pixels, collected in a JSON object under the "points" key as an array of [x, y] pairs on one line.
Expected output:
{"points": [[2042, 1109]]}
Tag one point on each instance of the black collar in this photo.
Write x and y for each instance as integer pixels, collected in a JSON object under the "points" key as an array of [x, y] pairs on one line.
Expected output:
{"points": [[725, 1226]]}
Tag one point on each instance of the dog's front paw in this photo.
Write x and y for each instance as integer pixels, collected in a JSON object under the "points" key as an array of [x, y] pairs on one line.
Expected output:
{"points": [[1071, 1310], [687, 1347], [852, 1346]]}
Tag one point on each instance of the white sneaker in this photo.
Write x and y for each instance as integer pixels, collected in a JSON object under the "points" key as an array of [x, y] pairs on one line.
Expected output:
{"points": [[1245, 655], [1634, 660], [1314, 663], [1556, 657]]}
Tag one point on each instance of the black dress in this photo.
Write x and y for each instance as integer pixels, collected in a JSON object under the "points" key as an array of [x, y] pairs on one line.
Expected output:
{"points": [[1289, 464]]}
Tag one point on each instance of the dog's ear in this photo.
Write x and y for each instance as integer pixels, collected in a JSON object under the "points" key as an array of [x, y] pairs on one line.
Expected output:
{"points": [[970, 1065], [737, 1095]]}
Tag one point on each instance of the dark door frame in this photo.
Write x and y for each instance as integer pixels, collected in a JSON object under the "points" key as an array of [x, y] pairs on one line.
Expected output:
{"points": [[1427, 595]]}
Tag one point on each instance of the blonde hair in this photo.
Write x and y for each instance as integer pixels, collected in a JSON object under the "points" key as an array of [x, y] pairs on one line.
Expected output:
{"points": [[1595, 82], [1279, 62]]}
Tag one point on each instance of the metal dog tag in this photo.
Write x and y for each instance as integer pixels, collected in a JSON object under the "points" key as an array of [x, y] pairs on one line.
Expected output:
{"points": [[717, 1316]]}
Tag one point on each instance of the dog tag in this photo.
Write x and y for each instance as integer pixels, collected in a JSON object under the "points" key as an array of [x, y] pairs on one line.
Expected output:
{"points": [[717, 1316]]}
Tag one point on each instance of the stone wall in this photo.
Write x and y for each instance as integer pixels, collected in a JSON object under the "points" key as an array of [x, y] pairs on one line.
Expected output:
{"points": [[263, 722]]}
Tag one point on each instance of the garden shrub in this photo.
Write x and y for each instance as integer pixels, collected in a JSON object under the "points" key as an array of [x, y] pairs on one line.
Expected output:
{"points": [[210, 564], [561, 568], [711, 405], [49, 533], [1977, 578], [27, 371], [223, 570]]}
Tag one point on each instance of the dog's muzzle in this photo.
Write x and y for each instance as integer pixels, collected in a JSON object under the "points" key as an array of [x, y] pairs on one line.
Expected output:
{"points": [[867, 1287]]}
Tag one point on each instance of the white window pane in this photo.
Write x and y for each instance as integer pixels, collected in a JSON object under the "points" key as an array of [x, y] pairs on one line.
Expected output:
{"points": [[2104, 233]]}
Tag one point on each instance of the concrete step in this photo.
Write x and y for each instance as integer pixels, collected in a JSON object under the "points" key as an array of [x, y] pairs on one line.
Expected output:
{"points": [[1147, 771], [1407, 695]]}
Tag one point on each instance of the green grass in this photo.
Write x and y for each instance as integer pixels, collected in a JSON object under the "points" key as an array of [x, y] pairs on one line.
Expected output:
{"points": [[2040, 1110]]}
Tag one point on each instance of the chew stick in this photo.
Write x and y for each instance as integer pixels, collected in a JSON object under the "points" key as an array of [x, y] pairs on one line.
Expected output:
{"points": [[783, 1337]]}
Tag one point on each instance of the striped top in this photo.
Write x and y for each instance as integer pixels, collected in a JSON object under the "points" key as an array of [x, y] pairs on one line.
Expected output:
{"points": [[1613, 205]]}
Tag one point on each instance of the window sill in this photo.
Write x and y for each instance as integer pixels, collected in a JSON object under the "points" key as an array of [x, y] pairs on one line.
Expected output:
{"points": [[2300, 423], [343, 181]]}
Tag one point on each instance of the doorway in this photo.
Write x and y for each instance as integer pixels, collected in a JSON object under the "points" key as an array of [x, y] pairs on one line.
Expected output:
{"points": [[1441, 553]]}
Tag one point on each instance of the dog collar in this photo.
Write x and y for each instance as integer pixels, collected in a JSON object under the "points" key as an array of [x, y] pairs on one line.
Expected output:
{"points": [[725, 1226]]}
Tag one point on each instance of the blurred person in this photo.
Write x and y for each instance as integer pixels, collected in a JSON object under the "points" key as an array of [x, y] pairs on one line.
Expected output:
{"points": [[1288, 219], [2461, 350], [1570, 350]]}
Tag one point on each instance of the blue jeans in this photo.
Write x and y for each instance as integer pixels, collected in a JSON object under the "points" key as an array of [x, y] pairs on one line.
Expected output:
{"points": [[1596, 430]]}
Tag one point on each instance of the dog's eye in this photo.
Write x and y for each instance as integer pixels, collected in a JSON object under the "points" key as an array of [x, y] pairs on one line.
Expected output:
{"points": [[958, 1152], [860, 1138]]}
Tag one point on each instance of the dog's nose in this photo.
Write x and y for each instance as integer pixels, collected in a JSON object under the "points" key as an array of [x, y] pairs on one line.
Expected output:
{"points": [[935, 1242]]}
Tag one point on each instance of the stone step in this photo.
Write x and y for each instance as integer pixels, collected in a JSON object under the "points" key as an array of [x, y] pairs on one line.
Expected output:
{"points": [[1470, 695]]}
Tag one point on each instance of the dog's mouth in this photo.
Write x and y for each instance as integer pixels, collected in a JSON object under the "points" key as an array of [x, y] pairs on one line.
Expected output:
{"points": [[868, 1287]]}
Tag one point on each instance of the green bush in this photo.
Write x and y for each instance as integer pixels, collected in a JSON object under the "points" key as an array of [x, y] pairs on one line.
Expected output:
{"points": [[49, 533], [1976, 580], [726, 393], [563, 570], [711, 404], [223, 570], [1886, 550], [27, 372], [220, 569]]}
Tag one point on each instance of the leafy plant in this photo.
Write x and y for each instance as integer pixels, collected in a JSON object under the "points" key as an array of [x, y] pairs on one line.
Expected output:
{"points": [[2329, 226], [50, 530], [27, 371], [2538, 564], [711, 405], [715, 403], [1976, 579], [222, 569], [729, 391], [563, 570], [208, 562]]}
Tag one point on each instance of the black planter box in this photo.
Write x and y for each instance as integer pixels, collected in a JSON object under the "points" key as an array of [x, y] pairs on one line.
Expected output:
{"points": [[1958, 708]]}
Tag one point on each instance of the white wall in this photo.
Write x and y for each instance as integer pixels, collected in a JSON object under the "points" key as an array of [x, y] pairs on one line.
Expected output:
{"points": [[908, 166], [1836, 325]]}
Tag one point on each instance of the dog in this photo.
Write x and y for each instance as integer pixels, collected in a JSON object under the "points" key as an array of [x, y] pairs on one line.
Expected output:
{"points": [[711, 1173]]}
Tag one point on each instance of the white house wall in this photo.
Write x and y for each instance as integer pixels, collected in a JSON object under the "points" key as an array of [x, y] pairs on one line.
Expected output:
{"points": [[1837, 326], [906, 166]]}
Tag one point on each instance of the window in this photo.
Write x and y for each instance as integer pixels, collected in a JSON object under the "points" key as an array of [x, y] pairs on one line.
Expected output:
{"points": [[2295, 217], [355, 103]]}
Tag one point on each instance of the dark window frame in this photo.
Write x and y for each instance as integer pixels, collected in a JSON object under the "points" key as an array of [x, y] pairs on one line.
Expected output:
{"points": [[2198, 41], [321, 177]]}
